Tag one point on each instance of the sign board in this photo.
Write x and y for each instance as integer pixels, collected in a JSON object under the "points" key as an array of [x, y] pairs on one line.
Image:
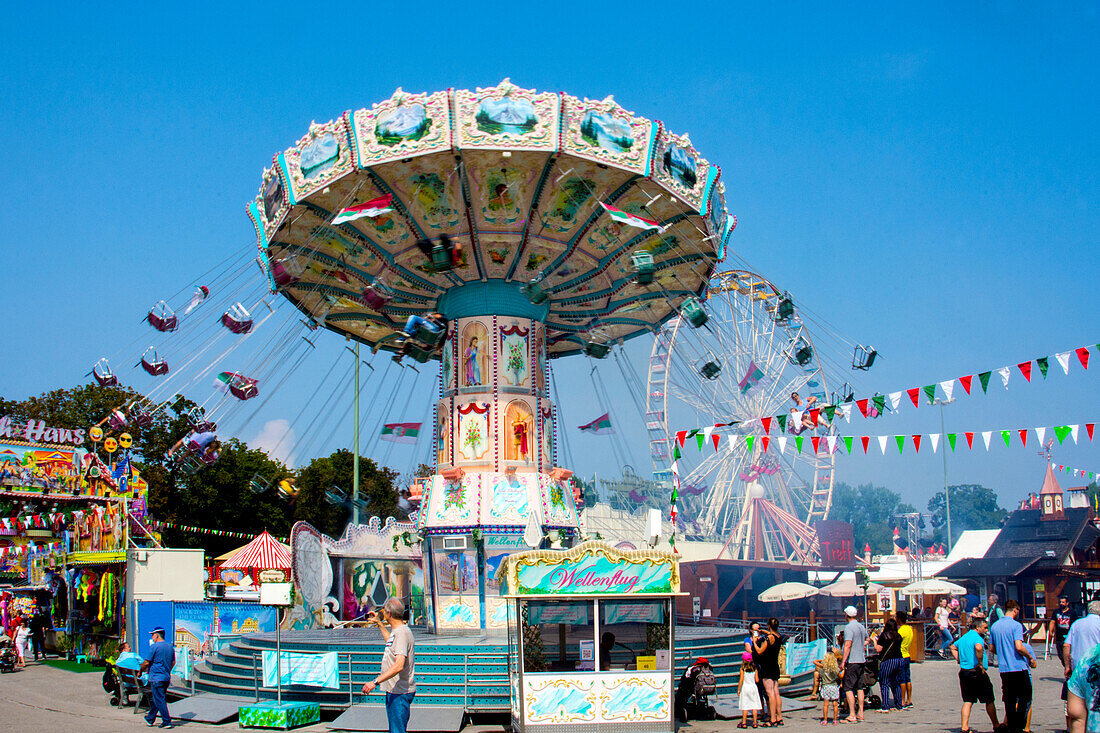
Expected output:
{"points": [[593, 568], [837, 542], [272, 575], [696, 607], [275, 594]]}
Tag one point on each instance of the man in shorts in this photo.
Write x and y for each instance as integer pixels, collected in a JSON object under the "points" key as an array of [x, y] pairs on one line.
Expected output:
{"points": [[904, 676], [969, 651], [851, 664]]}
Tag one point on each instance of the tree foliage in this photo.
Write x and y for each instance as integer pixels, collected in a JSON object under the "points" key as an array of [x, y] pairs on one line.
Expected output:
{"points": [[972, 507], [872, 511]]}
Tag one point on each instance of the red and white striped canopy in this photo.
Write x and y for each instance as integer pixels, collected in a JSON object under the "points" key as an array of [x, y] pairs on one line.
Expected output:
{"points": [[263, 553]]}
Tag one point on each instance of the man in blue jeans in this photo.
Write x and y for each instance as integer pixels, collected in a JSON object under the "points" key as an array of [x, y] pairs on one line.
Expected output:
{"points": [[159, 661], [398, 679]]}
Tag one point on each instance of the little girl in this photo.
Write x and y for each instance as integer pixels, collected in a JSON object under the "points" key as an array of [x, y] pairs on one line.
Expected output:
{"points": [[830, 687], [748, 695]]}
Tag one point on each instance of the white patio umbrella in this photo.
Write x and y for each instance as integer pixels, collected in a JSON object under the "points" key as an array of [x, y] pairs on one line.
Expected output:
{"points": [[849, 588], [933, 586], [787, 592]]}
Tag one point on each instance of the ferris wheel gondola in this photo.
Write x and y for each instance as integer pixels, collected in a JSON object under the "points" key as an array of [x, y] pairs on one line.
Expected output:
{"points": [[754, 356]]}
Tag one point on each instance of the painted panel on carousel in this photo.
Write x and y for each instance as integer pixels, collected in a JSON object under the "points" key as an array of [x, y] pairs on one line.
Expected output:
{"points": [[605, 132], [546, 434], [272, 202], [558, 508], [474, 348], [318, 159], [501, 190], [515, 366], [592, 568], [630, 697], [506, 116], [403, 126], [453, 503], [458, 613], [431, 190], [509, 498], [519, 432], [717, 217], [443, 433], [450, 374], [314, 555], [385, 233], [366, 581], [538, 349], [474, 436], [679, 167]]}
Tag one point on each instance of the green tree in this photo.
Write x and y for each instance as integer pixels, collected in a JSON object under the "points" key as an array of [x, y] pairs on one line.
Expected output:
{"points": [[972, 507], [872, 511], [377, 490], [219, 496]]}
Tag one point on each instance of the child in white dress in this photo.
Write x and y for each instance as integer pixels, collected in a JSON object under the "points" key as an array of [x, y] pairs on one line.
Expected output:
{"points": [[748, 695]]}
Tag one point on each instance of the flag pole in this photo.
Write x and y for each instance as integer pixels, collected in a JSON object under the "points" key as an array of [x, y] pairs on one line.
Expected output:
{"points": [[355, 451]]}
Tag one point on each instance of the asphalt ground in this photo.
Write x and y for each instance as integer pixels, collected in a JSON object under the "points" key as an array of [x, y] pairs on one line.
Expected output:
{"points": [[41, 698]]}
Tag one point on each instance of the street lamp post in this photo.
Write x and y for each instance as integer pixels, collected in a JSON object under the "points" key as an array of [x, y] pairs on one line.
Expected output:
{"points": [[946, 491]]}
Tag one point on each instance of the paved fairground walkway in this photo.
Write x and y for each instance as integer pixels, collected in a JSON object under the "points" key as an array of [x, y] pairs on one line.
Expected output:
{"points": [[42, 698]]}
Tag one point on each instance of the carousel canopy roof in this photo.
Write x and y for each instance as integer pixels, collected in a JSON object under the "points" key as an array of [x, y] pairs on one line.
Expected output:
{"points": [[263, 553], [525, 185]]}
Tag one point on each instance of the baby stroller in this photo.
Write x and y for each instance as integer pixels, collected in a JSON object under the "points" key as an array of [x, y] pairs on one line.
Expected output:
{"points": [[697, 685], [8, 657], [867, 683]]}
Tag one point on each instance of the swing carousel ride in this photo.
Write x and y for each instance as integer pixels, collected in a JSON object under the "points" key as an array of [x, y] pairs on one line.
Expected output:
{"points": [[493, 230]]}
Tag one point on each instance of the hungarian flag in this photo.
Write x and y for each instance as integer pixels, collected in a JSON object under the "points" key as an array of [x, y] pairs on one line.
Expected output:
{"points": [[401, 432], [599, 426], [631, 219], [752, 378], [374, 207]]}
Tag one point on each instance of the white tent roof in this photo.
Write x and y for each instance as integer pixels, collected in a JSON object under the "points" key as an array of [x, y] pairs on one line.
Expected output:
{"points": [[972, 543]]}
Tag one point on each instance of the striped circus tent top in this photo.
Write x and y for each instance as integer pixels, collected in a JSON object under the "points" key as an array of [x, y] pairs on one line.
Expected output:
{"points": [[263, 553]]}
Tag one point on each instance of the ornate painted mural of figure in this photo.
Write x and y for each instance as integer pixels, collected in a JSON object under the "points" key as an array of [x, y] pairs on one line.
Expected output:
{"points": [[520, 424], [444, 443], [474, 356]]}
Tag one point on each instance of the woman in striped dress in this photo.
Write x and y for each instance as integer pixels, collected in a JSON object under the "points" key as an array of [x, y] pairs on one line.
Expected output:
{"points": [[888, 646]]}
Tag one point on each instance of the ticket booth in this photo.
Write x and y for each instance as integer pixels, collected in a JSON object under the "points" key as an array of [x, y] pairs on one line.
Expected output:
{"points": [[590, 638]]}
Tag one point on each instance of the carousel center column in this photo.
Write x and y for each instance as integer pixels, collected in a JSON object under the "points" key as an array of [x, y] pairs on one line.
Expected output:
{"points": [[497, 489]]}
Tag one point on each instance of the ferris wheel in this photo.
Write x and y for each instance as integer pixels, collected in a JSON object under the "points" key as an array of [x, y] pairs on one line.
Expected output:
{"points": [[753, 354]]}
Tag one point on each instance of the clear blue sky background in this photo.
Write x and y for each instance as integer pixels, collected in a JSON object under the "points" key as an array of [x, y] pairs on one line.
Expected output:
{"points": [[925, 177]]}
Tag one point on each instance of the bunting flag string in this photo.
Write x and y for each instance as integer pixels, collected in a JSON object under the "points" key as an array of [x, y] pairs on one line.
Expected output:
{"points": [[844, 444], [200, 530], [1079, 472], [872, 407]]}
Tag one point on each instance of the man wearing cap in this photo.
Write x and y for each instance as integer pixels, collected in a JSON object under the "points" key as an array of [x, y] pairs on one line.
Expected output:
{"points": [[398, 679], [159, 661], [851, 666]]}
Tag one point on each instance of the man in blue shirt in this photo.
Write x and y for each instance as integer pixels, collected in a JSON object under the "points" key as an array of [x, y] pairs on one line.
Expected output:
{"points": [[974, 683], [159, 661], [1014, 658]]}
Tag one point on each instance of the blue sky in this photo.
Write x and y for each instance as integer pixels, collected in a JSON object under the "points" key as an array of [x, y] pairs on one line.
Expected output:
{"points": [[925, 179]]}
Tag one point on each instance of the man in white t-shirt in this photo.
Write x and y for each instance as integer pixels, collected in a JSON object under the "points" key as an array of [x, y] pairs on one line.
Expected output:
{"points": [[398, 679]]}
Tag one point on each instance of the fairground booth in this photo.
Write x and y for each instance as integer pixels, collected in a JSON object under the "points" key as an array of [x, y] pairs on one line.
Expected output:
{"points": [[590, 638], [63, 512]]}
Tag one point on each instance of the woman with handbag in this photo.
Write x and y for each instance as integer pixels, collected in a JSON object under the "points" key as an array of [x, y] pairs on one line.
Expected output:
{"points": [[888, 646]]}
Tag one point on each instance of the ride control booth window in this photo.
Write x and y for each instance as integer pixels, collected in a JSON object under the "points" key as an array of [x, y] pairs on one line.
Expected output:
{"points": [[634, 635], [558, 636], [562, 636]]}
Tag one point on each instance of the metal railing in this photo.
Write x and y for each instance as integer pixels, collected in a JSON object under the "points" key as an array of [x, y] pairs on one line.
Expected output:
{"points": [[345, 664]]}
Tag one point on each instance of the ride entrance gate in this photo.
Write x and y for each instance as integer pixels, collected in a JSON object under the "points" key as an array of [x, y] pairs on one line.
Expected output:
{"points": [[590, 639]]}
